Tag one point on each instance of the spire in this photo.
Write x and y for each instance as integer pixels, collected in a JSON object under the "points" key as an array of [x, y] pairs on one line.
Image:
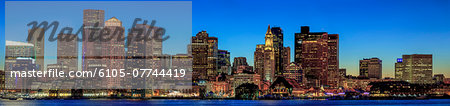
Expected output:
{"points": [[268, 30]]}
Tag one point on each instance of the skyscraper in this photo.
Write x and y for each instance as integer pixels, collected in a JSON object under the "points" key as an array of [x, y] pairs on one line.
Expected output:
{"points": [[39, 46], [286, 56], [200, 52], [415, 68], [67, 51], [370, 68], [224, 62], [212, 68], [258, 60], [333, 60], [93, 21], [114, 49], [269, 57], [140, 53], [317, 53], [278, 49]]}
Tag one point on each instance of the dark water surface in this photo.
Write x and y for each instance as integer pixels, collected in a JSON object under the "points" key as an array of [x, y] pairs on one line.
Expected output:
{"points": [[444, 102]]}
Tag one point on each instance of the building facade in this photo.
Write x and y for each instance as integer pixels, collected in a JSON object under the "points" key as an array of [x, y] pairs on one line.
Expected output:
{"points": [[38, 40], [295, 72], [317, 53], [370, 68], [415, 68]]}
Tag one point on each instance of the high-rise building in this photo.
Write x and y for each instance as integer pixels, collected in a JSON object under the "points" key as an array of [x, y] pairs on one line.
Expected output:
{"points": [[92, 17], [114, 49], [38, 40], [269, 57], [258, 60], [213, 50], [370, 68], [286, 56], [93, 21], [278, 49], [200, 50], [224, 62], [19, 56], [67, 51], [333, 60], [317, 53], [415, 68], [140, 54]]}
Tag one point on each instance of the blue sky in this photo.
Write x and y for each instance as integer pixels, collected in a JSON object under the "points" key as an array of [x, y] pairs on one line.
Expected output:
{"points": [[368, 28], [371, 28]]}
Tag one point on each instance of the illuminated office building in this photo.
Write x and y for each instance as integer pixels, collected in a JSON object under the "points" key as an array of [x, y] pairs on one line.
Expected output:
{"points": [[317, 53], [370, 68], [200, 53], [333, 60], [415, 68], [258, 60], [278, 49], [213, 50], [224, 62]]}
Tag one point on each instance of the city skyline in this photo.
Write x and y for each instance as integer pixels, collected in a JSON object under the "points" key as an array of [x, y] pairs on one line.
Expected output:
{"points": [[354, 44], [270, 50], [383, 29]]}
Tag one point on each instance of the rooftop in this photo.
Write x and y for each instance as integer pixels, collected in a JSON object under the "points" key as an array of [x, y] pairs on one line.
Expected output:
{"points": [[16, 43]]}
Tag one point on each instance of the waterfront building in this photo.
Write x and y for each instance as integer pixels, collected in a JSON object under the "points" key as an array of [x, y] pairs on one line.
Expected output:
{"points": [[286, 87], [317, 53], [415, 68], [370, 68], [242, 78]]}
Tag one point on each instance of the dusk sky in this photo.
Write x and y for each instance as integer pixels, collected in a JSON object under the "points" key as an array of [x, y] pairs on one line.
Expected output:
{"points": [[386, 29], [371, 28]]}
